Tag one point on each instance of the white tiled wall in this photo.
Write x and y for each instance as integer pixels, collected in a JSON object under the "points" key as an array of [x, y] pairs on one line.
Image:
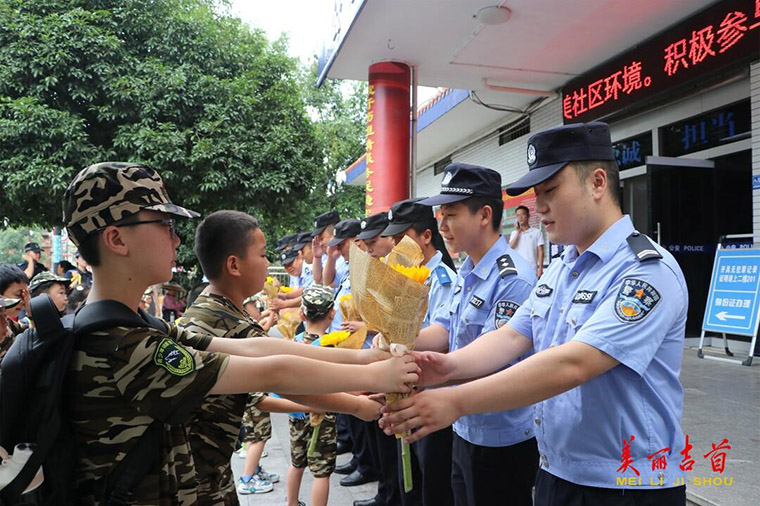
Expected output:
{"points": [[508, 159]]}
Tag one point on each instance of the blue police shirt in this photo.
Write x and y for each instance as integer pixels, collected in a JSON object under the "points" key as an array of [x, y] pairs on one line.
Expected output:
{"points": [[634, 311], [307, 275], [485, 296], [441, 280], [341, 271], [305, 279], [343, 289]]}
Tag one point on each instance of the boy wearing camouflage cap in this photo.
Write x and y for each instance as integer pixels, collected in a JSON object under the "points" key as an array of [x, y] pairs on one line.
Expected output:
{"points": [[121, 218], [228, 245], [53, 285], [317, 312]]}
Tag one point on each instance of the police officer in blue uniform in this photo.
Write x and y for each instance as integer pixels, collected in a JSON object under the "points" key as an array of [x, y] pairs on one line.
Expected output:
{"points": [[494, 455], [303, 240], [345, 232], [607, 323], [333, 268], [373, 243], [286, 242], [432, 473]]}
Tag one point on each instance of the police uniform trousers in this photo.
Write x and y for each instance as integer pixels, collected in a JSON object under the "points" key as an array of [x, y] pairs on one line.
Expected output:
{"points": [[554, 491], [390, 488], [341, 424], [432, 461], [362, 459], [484, 475]]}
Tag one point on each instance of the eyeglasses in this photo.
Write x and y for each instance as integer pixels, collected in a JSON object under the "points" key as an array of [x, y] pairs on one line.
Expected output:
{"points": [[167, 223]]}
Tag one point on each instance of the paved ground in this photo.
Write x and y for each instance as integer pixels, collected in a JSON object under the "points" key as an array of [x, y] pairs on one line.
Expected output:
{"points": [[278, 462], [722, 401]]}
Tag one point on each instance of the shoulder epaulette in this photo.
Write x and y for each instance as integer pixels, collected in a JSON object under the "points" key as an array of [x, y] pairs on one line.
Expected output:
{"points": [[442, 275], [643, 247], [506, 266]]}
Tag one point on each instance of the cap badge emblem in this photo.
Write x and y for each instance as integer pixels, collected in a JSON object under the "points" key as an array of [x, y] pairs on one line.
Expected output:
{"points": [[531, 154], [390, 215], [364, 225], [447, 178]]}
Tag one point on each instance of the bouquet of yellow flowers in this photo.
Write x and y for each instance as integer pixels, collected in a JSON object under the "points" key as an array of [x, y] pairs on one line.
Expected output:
{"points": [[348, 308], [288, 323], [336, 339], [392, 297], [272, 288]]}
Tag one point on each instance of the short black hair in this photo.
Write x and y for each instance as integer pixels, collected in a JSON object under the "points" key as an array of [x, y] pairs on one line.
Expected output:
{"points": [[10, 274], [89, 249], [220, 235], [584, 168], [66, 265], [474, 204], [527, 211]]}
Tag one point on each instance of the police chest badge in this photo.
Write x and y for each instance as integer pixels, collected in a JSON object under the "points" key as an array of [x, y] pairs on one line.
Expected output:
{"points": [[635, 300], [505, 310], [174, 358], [543, 290]]}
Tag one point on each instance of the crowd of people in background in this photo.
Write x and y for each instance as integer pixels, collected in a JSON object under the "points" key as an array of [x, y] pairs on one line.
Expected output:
{"points": [[548, 366]]}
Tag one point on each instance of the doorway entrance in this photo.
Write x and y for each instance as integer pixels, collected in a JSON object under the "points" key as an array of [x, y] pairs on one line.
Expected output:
{"points": [[686, 205]]}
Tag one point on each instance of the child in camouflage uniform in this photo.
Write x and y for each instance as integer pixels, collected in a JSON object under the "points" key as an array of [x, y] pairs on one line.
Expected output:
{"points": [[317, 311], [124, 378], [222, 244]]}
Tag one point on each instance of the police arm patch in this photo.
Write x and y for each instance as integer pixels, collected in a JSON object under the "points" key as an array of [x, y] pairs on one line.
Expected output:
{"points": [[505, 310], [174, 358], [635, 300]]}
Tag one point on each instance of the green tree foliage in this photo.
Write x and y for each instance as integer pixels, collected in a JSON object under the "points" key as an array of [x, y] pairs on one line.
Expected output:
{"points": [[340, 118], [230, 120], [171, 83], [12, 242]]}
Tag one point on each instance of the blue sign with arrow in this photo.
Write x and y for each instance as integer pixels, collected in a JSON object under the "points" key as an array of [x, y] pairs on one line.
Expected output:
{"points": [[732, 302]]}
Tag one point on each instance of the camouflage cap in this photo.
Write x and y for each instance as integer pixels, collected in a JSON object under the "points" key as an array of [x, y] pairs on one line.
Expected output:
{"points": [[46, 277], [6, 303], [317, 301], [107, 193]]}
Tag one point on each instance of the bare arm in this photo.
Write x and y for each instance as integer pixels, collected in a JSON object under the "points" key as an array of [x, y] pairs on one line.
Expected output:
{"points": [[316, 263], [29, 271], [488, 353], [267, 346], [275, 405], [293, 294], [358, 405], [328, 274], [514, 238], [298, 375], [537, 378], [432, 338]]}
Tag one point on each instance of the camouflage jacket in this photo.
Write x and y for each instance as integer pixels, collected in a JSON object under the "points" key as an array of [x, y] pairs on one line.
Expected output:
{"points": [[127, 378], [215, 428], [14, 328]]}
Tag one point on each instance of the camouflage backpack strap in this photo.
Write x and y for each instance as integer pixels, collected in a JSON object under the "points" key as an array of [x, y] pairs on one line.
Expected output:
{"points": [[643, 247], [100, 315]]}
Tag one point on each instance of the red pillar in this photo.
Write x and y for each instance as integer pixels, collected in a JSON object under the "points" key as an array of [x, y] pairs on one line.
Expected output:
{"points": [[388, 123]]}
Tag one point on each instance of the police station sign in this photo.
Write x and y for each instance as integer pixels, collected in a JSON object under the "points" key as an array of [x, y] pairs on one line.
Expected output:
{"points": [[732, 302], [723, 35]]}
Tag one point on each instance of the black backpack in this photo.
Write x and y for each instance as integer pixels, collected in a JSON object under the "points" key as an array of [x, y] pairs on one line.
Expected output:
{"points": [[32, 377]]}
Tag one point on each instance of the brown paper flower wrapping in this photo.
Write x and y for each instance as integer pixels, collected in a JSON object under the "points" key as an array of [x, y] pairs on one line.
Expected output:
{"points": [[288, 323], [348, 309], [387, 300]]}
